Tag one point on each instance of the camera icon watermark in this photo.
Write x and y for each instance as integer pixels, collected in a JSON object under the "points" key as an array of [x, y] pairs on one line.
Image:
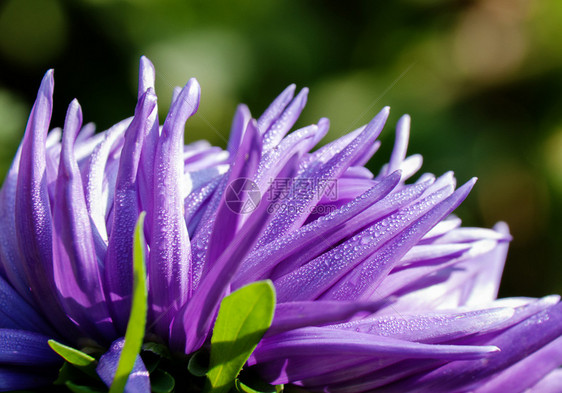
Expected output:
{"points": [[243, 195]]}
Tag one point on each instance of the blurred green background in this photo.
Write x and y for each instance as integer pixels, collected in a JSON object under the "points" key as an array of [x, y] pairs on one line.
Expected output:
{"points": [[482, 81]]}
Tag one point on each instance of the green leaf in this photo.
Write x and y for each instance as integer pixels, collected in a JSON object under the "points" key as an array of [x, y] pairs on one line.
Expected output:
{"points": [[82, 389], [243, 388], [244, 317], [162, 382], [137, 321], [198, 364], [72, 355], [261, 387], [157, 349], [79, 359]]}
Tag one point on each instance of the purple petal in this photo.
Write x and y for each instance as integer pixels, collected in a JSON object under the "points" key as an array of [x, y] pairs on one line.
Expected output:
{"points": [[368, 218], [147, 75], [76, 272], [283, 124], [286, 220], [275, 109], [20, 347], [192, 324], [118, 263], [97, 186], [530, 335], [304, 240], [33, 211], [316, 277], [431, 327], [325, 341], [10, 256], [139, 379], [293, 315], [319, 370], [20, 378], [401, 144], [170, 255], [363, 280], [244, 165], [239, 124], [16, 313], [527, 372], [549, 384]]}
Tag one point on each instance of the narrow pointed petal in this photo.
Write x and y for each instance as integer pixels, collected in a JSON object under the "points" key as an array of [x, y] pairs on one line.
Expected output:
{"points": [[393, 204], [530, 335], [298, 142], [321, 274], [363, 281], [16, 313], [283, 124], [325, 341], [147, 76], [286, 220], [239, 124], [401, 144], [303, 240], [431, 327], [33, 211], [293, 315], [139, 380], [96, 181], [10, 256], [275, 109], [20, 347], [170, 251], [527, 372], [244, 166], [191, 325], [118, 276], [76, 269], [317, 372], [20, 378]]}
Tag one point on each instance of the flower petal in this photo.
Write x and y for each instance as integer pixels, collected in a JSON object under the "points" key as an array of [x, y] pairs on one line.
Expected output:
{"points": [[76, 268], [304, 241], [286, 120], [118, 278], [20, 347], [33, 210], [139, 380], [325, 341], [170, 251], [275, 109], [293, 315], [530, 336]]}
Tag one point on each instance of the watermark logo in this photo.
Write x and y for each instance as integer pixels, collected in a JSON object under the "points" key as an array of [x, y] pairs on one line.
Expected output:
{"points": [[289, 195], [242, 196]]}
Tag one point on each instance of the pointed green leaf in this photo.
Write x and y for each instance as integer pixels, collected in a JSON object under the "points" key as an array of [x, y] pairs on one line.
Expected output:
{"points": [[72, 355], [78, 359], [244, 316], [137, 321]]}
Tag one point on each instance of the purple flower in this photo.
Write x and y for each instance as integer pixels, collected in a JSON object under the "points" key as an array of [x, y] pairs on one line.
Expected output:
{"points": [[378, 286]]}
